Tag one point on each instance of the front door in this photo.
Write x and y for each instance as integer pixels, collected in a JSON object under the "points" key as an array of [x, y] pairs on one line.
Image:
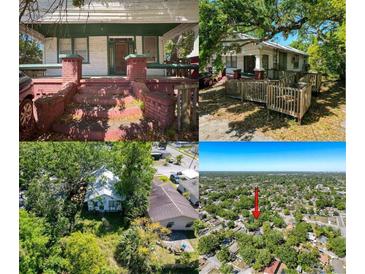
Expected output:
{"points": [[121, 51], [118, 49], [249, 63]]}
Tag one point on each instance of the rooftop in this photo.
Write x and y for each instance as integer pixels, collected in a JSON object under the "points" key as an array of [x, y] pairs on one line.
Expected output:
{"points": [[167, 203]]}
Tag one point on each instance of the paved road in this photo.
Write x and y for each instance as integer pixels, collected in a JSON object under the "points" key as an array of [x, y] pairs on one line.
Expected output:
{"points": [[186, 162]]}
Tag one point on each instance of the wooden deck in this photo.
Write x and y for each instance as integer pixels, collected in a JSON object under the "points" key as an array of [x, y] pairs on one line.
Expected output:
{"points": [[290, 95]]}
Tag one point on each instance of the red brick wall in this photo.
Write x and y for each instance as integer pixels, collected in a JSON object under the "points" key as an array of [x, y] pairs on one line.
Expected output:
{"points": [[160, 107], [137, 69], [71, 69], [48, 108]]}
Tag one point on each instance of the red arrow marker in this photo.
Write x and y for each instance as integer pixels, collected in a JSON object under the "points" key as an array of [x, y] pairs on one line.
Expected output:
{"points": [[256, 212]]}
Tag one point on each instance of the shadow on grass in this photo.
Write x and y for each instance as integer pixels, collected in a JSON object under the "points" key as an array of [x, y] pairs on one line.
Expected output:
{"points": [[256, 116]]}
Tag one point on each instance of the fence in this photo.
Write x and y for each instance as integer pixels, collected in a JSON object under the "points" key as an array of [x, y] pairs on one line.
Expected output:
{"points": [[187, 106], [315, 79], [291, 101]]}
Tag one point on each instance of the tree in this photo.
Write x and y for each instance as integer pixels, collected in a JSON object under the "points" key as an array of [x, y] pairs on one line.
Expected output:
{"points": [[29, 50], [248, 254], [263, 259], [197, 226], [33, 243], [288, 255], [308, 259], [226, 269], [179, 159], [338, 246], [133, 165], [208, 244], [319, 24], [83, 253], [55, 176], [180, 46], [135, 250], [223, 255]]}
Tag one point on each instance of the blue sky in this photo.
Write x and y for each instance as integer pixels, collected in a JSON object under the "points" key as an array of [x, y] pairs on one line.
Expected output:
{"points": [[272, 156], [279, 38]]}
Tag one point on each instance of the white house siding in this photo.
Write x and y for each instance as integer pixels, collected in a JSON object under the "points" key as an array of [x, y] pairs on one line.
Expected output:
{"points": [[101, 200], [50, 55], [252, 50], [179, 223], [98, 56]]}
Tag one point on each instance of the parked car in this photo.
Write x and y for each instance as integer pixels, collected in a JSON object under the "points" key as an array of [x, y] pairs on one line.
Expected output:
{"points": [[174, 178], [205, 79], [26, 116]]}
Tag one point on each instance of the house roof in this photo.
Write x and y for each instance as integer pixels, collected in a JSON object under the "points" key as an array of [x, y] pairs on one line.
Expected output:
{"points": [[272, 268], [271, 44], [167, 203], [192, 186], [104, 184], [116, 11], [190, 173]]}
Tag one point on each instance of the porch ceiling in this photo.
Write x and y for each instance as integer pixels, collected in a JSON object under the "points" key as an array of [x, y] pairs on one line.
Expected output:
{"points": [[80, 30]]}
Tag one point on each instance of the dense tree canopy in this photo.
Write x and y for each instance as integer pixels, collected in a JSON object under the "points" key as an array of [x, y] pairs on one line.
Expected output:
{"points": [[319, 25]]}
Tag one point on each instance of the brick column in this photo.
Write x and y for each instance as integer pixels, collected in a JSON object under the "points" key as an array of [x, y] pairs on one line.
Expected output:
{"points": [[71, 68], [136, 67]]}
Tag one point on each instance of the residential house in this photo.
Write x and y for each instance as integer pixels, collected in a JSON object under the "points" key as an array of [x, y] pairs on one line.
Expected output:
{"points": [[101, 195], [191, 187], [104, 33], [272, 268], [256, 57], [170, 208]]}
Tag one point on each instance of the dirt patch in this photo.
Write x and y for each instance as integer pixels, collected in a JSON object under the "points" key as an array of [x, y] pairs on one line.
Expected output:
{"points": [[224, 118]]}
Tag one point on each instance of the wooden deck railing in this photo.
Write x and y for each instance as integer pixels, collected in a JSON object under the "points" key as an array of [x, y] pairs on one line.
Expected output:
{"points": [[288, 100], [187, 106], [291, 101]]}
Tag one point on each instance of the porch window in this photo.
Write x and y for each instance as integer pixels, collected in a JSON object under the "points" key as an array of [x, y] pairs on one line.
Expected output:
{"points": [[189, 224], [283, 57], [265, 61], [296, 61], [74, 46], [65, 46], [150, 47], [169, 224], [80, 48], [231, 61], [113, 205]]}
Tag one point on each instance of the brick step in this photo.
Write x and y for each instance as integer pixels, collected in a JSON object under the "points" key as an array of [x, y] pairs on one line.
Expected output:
{"points": [[89, 129], [106, 90], [81, 111], [104, 100]]}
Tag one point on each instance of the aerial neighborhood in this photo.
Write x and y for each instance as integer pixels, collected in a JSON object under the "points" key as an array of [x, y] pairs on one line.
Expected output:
{"points": [[99, 199]]}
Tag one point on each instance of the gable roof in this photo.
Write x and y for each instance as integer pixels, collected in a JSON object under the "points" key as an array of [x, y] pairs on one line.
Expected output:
{"points": [[192, 186], [167, 203], [271, 44], [104, 184]]}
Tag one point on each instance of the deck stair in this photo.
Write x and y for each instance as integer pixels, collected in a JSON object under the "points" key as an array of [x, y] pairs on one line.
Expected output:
{"points": [[103, 110]]}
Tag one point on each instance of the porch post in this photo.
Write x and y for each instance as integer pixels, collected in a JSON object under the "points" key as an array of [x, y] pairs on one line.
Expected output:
{"points": [[71, 68], [136, 67], [259, 70]]}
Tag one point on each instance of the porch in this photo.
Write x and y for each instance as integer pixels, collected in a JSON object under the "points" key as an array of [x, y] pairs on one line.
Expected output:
{"points": [[291, 94], [111, 108]]}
